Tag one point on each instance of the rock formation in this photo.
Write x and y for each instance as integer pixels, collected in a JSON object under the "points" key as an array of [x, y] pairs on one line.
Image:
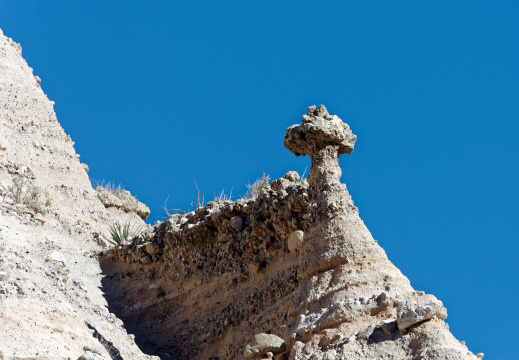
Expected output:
{"points": [[290, 273], [51, 304], [294, 265]]}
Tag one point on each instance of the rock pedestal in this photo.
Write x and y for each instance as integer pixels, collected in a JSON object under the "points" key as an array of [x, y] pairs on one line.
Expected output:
{"points": [[349, 289]]}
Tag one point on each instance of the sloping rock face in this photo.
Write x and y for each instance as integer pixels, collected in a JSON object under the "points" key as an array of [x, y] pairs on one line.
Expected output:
{"points": [[51, 304], [296, 262]]}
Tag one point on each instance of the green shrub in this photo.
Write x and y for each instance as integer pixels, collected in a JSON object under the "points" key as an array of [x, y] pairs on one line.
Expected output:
{"points": [[123, 233]]}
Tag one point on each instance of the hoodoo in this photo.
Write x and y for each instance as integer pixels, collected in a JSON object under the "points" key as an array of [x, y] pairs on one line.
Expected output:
{"points": [[291, 273]]}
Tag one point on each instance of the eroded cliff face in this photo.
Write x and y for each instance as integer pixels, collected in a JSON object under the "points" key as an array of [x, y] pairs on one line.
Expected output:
{"points": [[296, 262], [292, 273], [51, 304]]}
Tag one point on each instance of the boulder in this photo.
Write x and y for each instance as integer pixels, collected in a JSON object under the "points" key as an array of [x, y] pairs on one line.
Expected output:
{"points": [[263, 344], [318, 129], [236, 222], [419, 309], [295, 240]]}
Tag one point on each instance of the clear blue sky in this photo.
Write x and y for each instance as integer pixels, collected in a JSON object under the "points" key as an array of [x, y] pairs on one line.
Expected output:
{"points": [[159, 93]]}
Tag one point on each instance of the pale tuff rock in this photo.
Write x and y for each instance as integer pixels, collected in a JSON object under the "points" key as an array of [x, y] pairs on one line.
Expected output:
{"points": [[51, 286], [296, 262], [263, 344], [347, 281], [122, 199], [419, 309]]}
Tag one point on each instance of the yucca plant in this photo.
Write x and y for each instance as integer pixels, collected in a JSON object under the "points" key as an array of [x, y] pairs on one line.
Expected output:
{"points": [[123, 233]]}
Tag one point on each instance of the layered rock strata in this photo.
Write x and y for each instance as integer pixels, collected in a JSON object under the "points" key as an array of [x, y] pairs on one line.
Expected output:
{"points": [[296, 262], [51, 304]]}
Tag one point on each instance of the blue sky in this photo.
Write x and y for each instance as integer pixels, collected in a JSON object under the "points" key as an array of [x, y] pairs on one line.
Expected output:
{"points": [[157, 94]]}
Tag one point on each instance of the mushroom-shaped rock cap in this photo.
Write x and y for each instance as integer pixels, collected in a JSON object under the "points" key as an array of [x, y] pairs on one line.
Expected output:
{"points": [[319, 129]]}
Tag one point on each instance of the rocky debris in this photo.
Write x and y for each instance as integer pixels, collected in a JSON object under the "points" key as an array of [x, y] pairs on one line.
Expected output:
{"points": [[255, 228], [418, 309], [480, 355], [318, 129], [37, 78], [295, 240], [88, 355], [263, 344], [85, 167], [4, 276], [122, 199]]}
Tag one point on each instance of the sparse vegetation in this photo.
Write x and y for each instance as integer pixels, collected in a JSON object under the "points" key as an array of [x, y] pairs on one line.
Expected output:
{"points": [[200, 198], [170, 212], [222, 196], [302, 177], [253, 190], [22, 191], [124, 233], [110, 186]]}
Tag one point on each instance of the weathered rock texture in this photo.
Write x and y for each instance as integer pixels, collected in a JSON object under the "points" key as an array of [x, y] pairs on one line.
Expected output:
{"points": [[291, 273], [51, 304], [296, 262]]}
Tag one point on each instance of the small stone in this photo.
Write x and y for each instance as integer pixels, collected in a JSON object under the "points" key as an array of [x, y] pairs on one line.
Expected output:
{"points": [[295, 240], [480, 355], [88, 355], [365, 333], [263, 344], [321, 111], [91, 349], [419, 309], [236, 222], [85, 167], [57, 256], [145, 259], [292, 176], [311, 110], [40, 218], [159, 292], [152, 250], [37, 78]]}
